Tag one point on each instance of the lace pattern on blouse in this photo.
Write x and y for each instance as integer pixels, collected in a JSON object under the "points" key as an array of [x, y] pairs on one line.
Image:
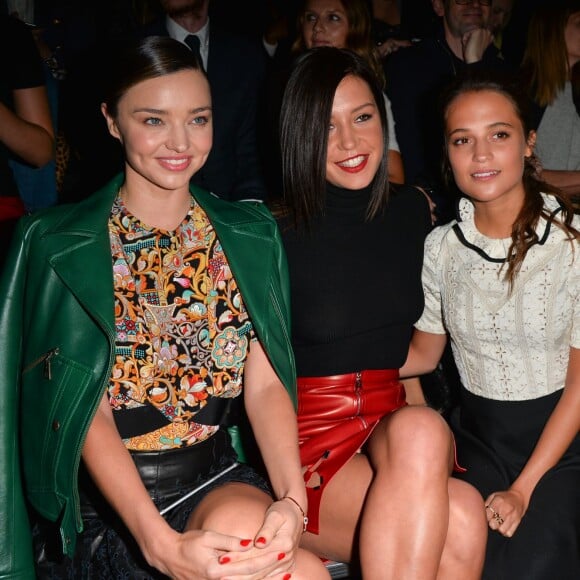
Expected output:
{"points": [[507, 347]]}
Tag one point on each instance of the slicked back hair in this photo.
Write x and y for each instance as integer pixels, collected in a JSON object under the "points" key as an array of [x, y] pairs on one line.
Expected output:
{"points": [[147, 58]]}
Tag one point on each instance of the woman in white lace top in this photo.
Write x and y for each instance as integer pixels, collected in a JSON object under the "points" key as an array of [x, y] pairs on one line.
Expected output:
{"points": [[502, 281]]}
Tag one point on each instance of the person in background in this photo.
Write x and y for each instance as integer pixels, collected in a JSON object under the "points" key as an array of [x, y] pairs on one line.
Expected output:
{"points": [[387, 31], [416, 77], [277, 34], [26, 129], [133, 323], [38, 185], [236, 70], [502, 281], [552, 74], [377, 470], [501, 12], [347, 24]]}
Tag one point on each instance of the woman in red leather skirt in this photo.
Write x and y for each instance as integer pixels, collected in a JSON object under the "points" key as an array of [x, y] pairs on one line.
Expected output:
{"points": [[377, 470]]}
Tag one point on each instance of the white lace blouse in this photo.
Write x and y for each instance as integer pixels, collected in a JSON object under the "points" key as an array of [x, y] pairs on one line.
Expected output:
{"points": [[506, 347]]}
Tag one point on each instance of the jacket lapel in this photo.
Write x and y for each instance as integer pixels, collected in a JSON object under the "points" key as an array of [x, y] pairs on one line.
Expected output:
{"points": [[80, 254], [79, 250], [248, 241], [85, 267]]}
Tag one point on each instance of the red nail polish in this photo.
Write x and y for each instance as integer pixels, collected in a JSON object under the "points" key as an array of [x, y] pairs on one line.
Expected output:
{"points": [[224, 560], [281, 556], [287, 577], [261, 540], [245, 542]]}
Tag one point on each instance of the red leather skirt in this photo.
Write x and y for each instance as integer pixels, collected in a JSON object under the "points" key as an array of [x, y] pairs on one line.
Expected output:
{"points": [[336, 415]]}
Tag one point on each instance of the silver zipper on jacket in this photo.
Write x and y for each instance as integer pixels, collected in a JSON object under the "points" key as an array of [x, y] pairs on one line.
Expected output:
{"points": [[44, 359]]}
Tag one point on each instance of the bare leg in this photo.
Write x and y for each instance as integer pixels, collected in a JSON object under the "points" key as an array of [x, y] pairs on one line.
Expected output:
{"points": [[238, 509], [402, 504], [406, 516], [340, 510], [464, 550]]}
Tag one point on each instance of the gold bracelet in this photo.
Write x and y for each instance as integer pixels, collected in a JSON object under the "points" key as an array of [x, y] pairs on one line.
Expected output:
{"points": [[304, 516]]}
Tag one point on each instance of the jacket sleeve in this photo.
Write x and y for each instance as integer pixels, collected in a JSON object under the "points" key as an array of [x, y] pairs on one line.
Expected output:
{"points": [[281, 289], [16, 560]]}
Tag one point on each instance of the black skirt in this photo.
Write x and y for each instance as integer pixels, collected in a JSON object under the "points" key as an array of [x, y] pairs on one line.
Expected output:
{"points": [[105, 548], [494, 441]]}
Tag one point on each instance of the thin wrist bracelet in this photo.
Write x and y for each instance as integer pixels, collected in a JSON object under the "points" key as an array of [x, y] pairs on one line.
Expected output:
{"points": [[304, 516]]}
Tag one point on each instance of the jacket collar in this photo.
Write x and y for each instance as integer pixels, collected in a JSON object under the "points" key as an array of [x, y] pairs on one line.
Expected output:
{"points": [[79, 252], [79, 248]]}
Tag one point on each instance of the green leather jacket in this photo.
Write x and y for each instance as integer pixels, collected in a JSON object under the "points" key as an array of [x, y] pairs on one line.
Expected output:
{"points": [[56, 348]]}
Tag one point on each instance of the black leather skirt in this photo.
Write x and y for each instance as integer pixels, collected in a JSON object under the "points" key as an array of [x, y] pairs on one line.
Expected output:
{"points": [[168, 474], [105, 548]]}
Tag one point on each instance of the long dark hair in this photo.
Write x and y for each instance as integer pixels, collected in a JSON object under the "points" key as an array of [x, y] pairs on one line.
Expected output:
{"points": [[304, 125], [545, 65], [524, 227], [138, 61]]}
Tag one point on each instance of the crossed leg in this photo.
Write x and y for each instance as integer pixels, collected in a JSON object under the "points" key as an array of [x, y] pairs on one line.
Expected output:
{"points": [[397, 505]]}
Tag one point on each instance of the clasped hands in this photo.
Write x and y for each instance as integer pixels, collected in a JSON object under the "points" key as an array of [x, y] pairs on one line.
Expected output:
{"points": [[209, 555]]}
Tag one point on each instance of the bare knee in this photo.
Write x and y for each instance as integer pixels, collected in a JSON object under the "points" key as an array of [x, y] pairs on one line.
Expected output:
{"points": [[416, 438], [419, 428], [467, 521], [309, 567], [236, 509]]}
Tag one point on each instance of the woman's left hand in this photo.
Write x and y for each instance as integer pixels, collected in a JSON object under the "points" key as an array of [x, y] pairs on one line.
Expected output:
{"points": [[275, 545], [281, 531], [504, 511]]}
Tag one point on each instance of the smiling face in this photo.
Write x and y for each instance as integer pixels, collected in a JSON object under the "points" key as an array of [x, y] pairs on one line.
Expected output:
{"points": [[462, 18], [165, 127], [355, 140], [486, 146], [325, 23]]}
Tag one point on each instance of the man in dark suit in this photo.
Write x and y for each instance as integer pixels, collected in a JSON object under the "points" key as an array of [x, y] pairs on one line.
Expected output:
{"points": [[417, 75], [235, 67]]}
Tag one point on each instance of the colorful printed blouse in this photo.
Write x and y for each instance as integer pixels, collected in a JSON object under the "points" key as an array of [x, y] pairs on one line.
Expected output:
{"points": [[183, 332]]}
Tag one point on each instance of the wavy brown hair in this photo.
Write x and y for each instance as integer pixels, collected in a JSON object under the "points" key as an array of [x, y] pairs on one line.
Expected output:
{"points": [[523, 233]]}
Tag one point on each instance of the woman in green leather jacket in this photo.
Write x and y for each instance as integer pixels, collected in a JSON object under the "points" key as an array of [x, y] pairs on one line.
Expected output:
{"points": [[131, 324]]}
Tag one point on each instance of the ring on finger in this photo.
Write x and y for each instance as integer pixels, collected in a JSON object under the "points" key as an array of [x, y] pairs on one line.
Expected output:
{"points": [[495, 515], [493, 512]]}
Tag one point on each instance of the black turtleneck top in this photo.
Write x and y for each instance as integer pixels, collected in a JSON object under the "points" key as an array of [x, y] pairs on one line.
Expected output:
{"points": [[356, 285]]}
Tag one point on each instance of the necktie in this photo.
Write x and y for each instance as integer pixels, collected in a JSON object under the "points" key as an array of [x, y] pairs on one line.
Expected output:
{"points": [[194, 44]]}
